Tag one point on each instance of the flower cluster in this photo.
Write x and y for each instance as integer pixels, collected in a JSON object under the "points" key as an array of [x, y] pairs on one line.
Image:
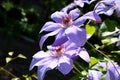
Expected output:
{"points": [[70, 38]]}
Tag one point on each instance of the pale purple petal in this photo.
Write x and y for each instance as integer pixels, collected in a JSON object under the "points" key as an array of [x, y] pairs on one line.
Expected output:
{"points": [[43, 38], [84, 55], [50, 26], [78, 22], [40, 55], [41, 72], [109, 2], [58, 16], [70, 45], [74, 13], [79, 3], [53, 63], [60, 38], [103, 9], [71, 53], [76, 35], [101, 64], [68, 7], [94, 75], [92, 16], [39, 62], [65, 65]]}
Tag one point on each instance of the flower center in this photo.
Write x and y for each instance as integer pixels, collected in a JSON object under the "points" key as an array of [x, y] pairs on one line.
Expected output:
{"points": [[67, 21], [58, 51]]}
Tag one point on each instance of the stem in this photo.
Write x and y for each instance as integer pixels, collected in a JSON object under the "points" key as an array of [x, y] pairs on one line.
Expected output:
{"points": [[1, 68], [109, 59], [103, 53]]}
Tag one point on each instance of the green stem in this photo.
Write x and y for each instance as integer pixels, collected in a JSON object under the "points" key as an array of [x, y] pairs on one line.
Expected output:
{"points": [[103, 53], [1, 68]]}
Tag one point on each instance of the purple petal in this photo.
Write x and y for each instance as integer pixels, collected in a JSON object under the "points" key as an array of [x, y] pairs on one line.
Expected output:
{"points": [[92, 16], [39, 62], [94, 75], [50, 26], [41, 54], [79, 3], [58, 16], [60, 38], [65, 65], [84, 55], [109, 2], [78, 22], [41, 72], [43, 38], [71, 53], [103, 9], [70, 45], [74, 13], [68, 7], [76, 35]]}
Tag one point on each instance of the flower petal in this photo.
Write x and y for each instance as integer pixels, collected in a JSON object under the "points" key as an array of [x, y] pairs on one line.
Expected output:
{"points": [[102, 9], [84, 55], [41, 72], [60, 38], [57, 16], [50, 26], [39, 62], [43, 38], [92, 16], [71, 53], [78, 22], [68, 7], [74, 13], [41, 54], [76, 35], [65, 65], [94, 75], [79, 3]]}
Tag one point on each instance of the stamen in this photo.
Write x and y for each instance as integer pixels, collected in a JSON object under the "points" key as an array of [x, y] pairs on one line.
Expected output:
{"points": [[67, 21], [58, 51]]}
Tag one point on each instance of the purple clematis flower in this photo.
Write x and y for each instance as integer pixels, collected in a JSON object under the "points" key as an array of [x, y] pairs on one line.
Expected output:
{"points": [[66, 27], [59, 57], [107, 7], [113, 70], [94, 75]]}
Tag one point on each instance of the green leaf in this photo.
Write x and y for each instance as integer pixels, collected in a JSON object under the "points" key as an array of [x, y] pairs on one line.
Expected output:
{"points": [[7, 5], [109, 41], [35, 76], [116, 52], [90, 30], [22, 56], [10, 53], [108, 27], [15, 79], [93, 61], [8, 59], [77, 77]]}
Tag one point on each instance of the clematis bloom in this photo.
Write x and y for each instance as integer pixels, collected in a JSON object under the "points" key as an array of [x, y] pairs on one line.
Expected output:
{"points": [[107, 7], [59, 57], [66, 27]]}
